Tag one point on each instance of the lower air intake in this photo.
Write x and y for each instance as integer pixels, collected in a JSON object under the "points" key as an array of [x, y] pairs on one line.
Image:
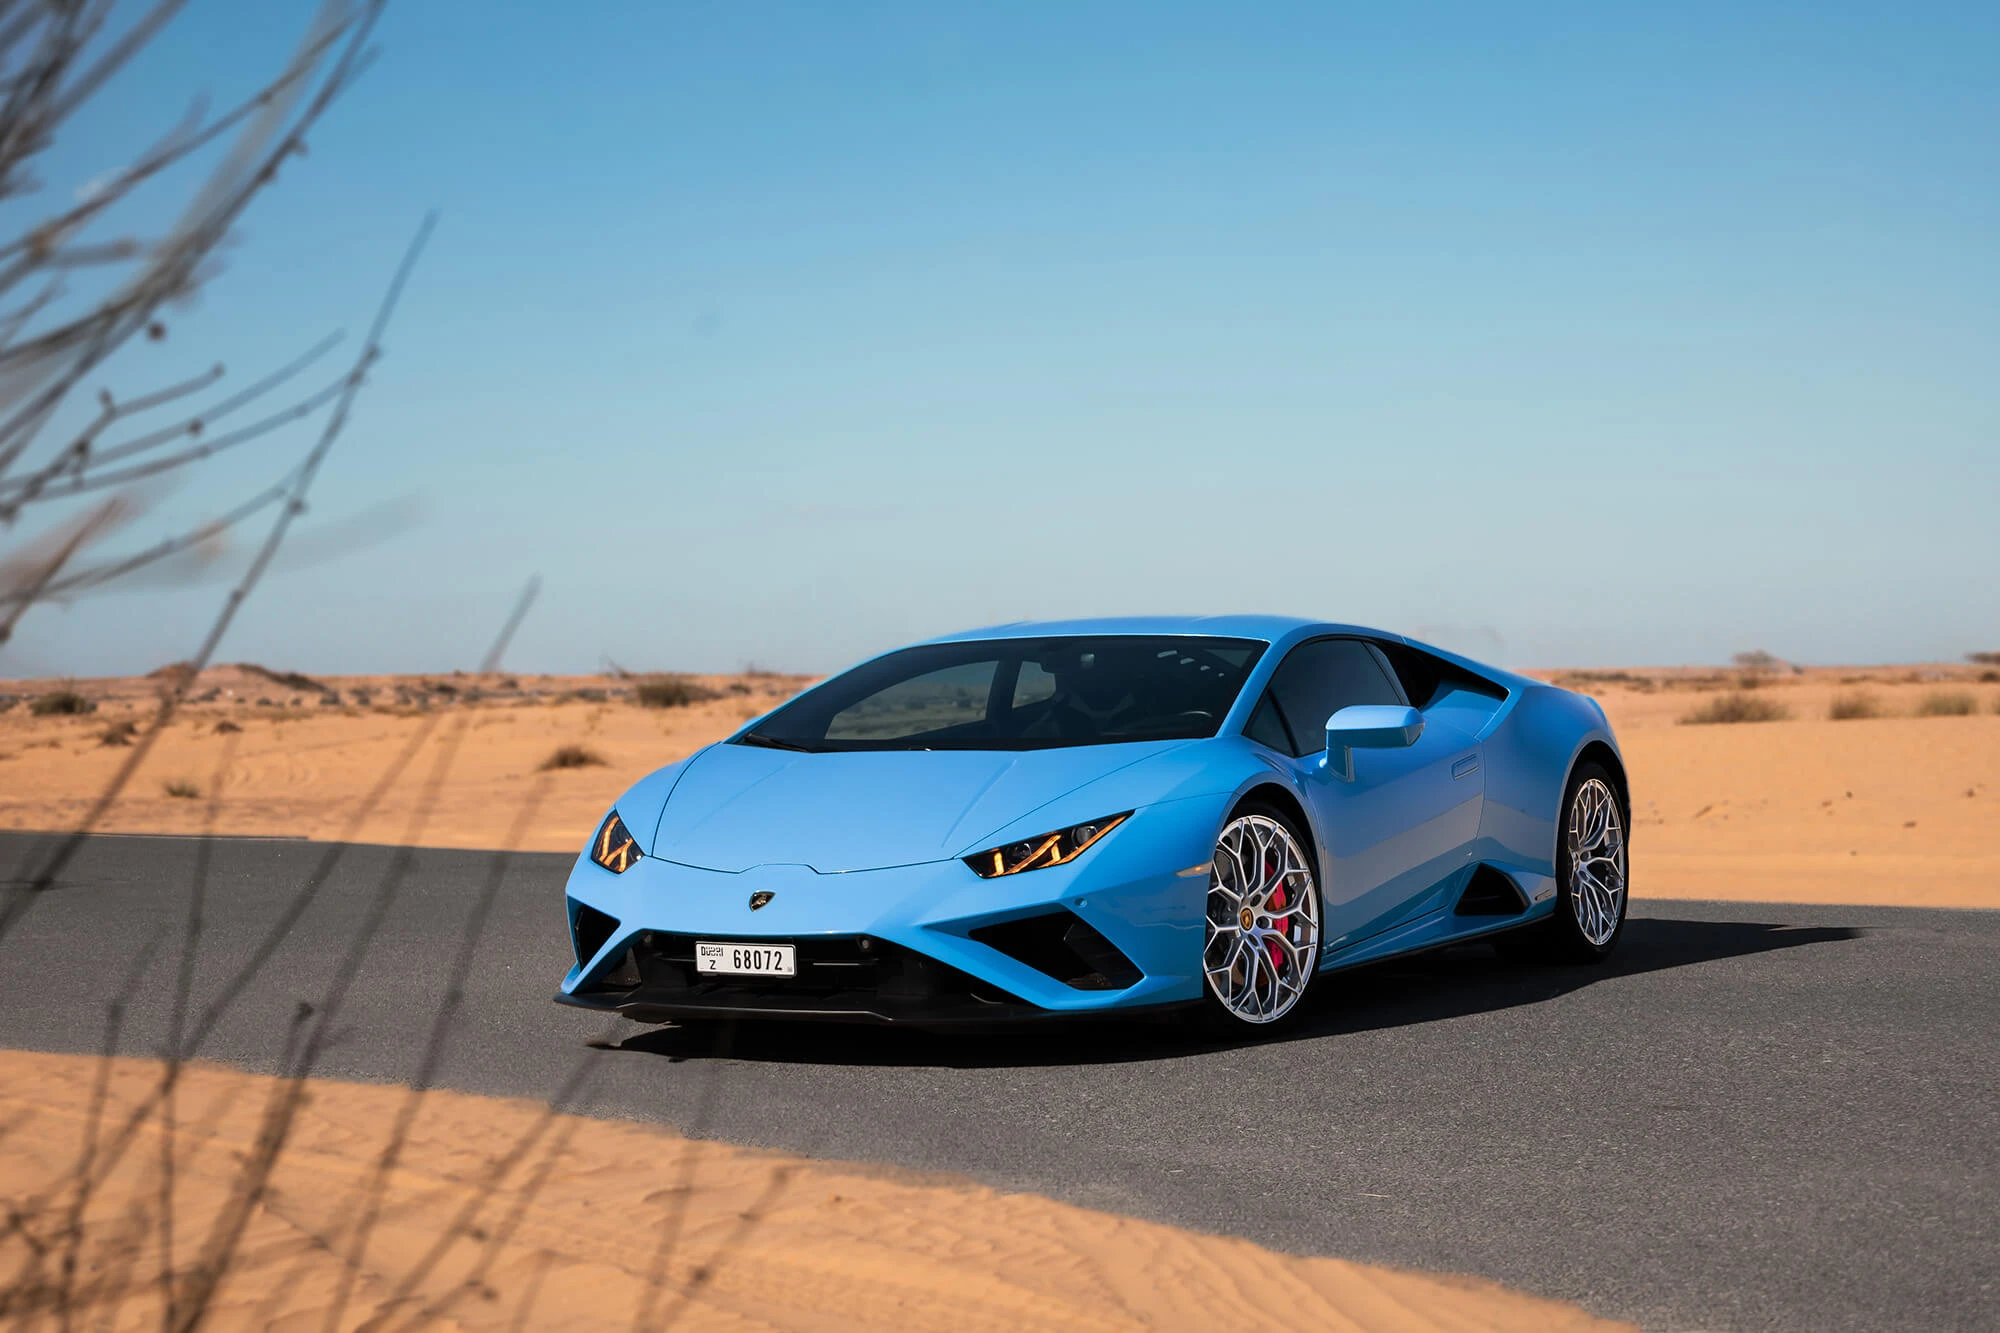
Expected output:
{"points": [[1062, 945], [590, 929]]}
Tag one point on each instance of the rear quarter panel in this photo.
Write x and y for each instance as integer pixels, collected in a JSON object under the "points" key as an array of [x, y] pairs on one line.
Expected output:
{"points": [[1528, 755]]}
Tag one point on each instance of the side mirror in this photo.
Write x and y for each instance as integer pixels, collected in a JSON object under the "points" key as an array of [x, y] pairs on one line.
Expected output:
{"points": [[1368, 727]]}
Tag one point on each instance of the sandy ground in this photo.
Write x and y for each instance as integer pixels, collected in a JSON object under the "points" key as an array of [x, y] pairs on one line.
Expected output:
{"points": [[1897, 809], [503, 1214], [1900, 809]]}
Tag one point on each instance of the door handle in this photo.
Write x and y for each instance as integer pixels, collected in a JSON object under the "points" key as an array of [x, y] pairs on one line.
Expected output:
{"points": [[1464, 767]]}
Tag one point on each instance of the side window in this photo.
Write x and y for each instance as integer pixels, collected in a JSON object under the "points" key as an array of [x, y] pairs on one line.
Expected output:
{"points": [[1318, 679], [1425, 678], [1267, 728], [936, 701]]}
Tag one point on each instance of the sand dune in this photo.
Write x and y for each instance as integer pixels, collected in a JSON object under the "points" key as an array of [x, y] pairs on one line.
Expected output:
{"points": [[1895, 809], [502, 1214]]}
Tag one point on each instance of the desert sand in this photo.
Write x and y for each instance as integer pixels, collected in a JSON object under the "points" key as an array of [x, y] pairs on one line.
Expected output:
{"points": [[1897, 809], [503, 1214]]}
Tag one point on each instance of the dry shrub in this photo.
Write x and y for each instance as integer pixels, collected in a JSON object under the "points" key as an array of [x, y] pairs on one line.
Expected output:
{"points": [[1857, 703], [573, 756], [1948, 703], [226, 726], [1984, 659], [1583, 682], [672, 692], [181, 789], [62, 703], [118, 733], [1737, 708]]}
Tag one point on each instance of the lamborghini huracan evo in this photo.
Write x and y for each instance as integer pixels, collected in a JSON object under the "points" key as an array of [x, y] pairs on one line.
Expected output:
{"points": [[1099, 817]]}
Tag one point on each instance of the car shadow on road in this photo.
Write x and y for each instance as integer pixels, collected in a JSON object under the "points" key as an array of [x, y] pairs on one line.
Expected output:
{"points": [[1446, 984]]}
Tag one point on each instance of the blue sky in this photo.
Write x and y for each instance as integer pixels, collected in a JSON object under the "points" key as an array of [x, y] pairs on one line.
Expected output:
{"points": [[1575, 334]]}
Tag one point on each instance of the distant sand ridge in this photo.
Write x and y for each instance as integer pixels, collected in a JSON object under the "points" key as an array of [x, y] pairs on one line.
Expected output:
{"points": [[1899, 808]]}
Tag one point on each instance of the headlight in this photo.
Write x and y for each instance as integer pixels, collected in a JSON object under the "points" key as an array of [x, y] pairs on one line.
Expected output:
{"points": [[1044, 850], [613, 847]]}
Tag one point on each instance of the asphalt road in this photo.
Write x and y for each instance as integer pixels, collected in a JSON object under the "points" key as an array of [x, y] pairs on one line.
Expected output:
{"points": [[1759, 1116]]}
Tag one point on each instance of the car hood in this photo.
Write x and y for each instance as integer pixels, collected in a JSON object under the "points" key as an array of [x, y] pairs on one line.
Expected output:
{"points": [[739, 806]]}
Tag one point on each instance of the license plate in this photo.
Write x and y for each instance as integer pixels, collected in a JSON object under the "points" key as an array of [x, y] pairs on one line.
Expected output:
{"points": [[756, 960]]}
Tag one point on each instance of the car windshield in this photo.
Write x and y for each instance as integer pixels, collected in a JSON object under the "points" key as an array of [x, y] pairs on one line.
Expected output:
{"points": [[1020, 694]]}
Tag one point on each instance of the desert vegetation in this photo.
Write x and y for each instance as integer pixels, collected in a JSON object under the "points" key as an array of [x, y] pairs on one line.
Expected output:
{"points": [[1737, 707], [62, 703], [1854, 704], [672, 692], [1948, 703], [573, 756]]}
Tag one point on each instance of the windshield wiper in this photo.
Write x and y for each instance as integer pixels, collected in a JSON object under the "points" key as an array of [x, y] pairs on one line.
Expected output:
{"points": [[771, 742]]}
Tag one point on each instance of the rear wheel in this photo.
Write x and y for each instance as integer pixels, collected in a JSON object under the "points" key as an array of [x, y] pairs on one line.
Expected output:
{"points": [[1262, 938], [1590, 872]]}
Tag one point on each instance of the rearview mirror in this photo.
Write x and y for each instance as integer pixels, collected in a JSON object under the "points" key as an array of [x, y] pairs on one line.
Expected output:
{"points": [[1368, 727]]}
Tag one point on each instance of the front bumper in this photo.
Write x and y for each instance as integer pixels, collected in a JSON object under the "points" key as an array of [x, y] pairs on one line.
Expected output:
{"points": [[928, 945], [853, 979]]}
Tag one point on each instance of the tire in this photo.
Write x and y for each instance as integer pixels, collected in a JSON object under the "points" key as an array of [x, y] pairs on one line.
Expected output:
{"points": [[1592, 855], [1258, 963]]}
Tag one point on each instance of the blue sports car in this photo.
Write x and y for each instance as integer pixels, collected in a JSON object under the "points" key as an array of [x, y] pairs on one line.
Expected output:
{"points": [[1102, 817]]}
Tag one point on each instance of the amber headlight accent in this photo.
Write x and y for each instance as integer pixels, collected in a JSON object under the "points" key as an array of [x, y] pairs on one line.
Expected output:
{"points": [[1044, 850], [613, 848]]}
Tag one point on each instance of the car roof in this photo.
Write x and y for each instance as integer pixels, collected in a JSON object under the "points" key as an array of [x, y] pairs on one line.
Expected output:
{"points": [[1270, 629]]}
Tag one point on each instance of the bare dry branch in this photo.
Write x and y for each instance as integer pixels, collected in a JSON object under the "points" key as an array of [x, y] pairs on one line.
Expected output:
{"points": [[37, 570], [36, 375], [54, 60], [95, 576], [293, 505]]}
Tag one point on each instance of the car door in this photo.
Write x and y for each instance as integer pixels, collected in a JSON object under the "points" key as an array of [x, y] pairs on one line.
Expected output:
{"points": [[1395, 834]]}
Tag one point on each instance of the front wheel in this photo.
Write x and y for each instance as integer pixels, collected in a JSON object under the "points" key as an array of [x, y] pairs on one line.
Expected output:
{"points": [[1262, 938]]}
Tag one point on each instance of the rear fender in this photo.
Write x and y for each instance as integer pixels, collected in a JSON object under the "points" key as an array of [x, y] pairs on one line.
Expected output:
{"points": [[1528, 759]]}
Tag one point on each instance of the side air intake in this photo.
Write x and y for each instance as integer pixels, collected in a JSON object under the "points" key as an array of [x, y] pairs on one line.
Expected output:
{"points": [[1491, 893], [1062, 945], [589, 928]]}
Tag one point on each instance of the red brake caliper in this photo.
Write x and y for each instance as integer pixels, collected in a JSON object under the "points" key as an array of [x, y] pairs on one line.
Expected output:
{"points": [[1282, 924]]}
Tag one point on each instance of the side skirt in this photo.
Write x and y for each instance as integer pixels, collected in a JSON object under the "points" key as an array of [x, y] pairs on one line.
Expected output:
{"points": [[1436, 930]]}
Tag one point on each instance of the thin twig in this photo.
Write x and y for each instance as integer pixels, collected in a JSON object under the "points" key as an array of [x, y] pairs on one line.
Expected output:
{"points": [[170, 700]]}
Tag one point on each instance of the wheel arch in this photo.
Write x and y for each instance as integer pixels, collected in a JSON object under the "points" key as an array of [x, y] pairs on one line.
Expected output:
{"points": [[1285, 800], [1597, 751]]}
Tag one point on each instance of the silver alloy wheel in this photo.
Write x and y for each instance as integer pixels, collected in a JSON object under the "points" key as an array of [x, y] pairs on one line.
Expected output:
{"points": [[1263, 920], [1596, 862]]}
